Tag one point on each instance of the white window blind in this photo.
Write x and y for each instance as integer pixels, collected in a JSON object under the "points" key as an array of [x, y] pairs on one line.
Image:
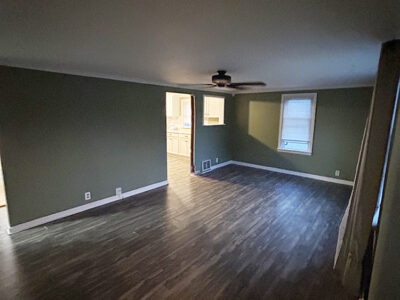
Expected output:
{"points": [[297, 123]]}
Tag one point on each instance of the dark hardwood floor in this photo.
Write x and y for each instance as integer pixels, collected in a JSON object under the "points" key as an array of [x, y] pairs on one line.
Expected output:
{"points": [[235, 233]]}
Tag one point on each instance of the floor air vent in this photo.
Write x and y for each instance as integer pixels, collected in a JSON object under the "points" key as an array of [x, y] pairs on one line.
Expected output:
{"points": [[206, 165]]}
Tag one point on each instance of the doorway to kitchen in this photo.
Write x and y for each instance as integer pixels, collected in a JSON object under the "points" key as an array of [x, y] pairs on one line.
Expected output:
{"points": [[180, 135]]}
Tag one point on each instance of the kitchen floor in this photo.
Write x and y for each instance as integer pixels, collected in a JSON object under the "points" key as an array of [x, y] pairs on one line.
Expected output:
{"points": [[178, 167]]}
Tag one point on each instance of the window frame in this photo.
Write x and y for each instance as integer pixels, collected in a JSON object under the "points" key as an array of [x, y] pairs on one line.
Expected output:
{"points": [[204, 106], [285, 97]]}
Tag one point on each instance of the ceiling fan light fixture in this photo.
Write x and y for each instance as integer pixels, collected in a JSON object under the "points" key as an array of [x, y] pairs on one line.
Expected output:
{"points": [[221, 79]]}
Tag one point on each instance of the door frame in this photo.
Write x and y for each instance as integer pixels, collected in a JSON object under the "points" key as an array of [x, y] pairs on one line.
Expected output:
{"points": [[192, 133], [192, 129]]}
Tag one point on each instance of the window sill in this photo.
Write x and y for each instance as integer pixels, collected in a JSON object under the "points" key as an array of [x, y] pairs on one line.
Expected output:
{"points": [[294, 152]]}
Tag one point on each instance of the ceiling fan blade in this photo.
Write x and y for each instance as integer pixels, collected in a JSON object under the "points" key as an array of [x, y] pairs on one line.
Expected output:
{"points": [[237, 87], [200, 85], [248, 83]]}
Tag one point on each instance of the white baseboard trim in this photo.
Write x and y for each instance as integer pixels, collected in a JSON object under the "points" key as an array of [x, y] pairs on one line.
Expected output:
{"points": [[144, 189], [307, 175], [81, 208], [214, 167], [272, 169]]}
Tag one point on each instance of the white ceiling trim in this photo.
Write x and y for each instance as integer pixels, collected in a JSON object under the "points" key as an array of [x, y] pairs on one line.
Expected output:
{"points": [[141, 81], [300, 89], [113, 77]]}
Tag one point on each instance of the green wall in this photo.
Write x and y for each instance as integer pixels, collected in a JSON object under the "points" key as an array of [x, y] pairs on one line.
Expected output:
{"points": [[62, 135], [211, 141], [340, 119]]}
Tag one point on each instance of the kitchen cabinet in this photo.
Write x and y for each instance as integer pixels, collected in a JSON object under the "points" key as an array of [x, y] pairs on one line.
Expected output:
{"points": [[178, 143], [179, 123], [214, 107], [175, 143], [173, 106], [213, 111], [184, 144], [169, 143], [206, 108]]}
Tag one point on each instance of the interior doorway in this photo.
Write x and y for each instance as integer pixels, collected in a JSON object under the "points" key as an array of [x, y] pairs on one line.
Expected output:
{"points": [[180, 134]]}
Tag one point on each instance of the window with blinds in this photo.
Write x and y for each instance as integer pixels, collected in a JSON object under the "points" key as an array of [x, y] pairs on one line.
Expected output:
{"points": [[297, 123]]}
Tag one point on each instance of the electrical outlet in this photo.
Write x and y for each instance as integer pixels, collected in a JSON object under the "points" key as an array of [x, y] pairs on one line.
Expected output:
{"points": [[217, 160], [118, 192], [337, 173], [88, 196]]}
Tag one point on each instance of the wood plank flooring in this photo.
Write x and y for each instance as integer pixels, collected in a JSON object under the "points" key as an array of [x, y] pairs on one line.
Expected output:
{"points": [[235, 233]]}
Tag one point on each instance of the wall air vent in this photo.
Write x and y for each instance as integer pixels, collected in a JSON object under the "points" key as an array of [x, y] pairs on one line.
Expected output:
{"points": [[206, 166]]}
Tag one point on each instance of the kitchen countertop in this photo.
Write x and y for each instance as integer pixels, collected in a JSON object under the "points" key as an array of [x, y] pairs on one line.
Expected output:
{"points": [[181, 131]]}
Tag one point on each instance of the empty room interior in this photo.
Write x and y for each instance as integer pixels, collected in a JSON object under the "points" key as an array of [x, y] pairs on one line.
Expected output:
{"points": [[200, 149]]}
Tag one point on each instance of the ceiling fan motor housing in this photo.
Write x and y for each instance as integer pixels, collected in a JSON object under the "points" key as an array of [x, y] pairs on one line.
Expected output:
{"points": [[221, 79]]}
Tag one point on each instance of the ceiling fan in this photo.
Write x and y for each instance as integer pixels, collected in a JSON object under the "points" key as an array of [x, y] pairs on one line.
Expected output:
{"points": [[222, 80]]}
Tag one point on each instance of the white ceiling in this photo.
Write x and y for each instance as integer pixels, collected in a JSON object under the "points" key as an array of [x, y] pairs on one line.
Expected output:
{"points": [[288, 44]]}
